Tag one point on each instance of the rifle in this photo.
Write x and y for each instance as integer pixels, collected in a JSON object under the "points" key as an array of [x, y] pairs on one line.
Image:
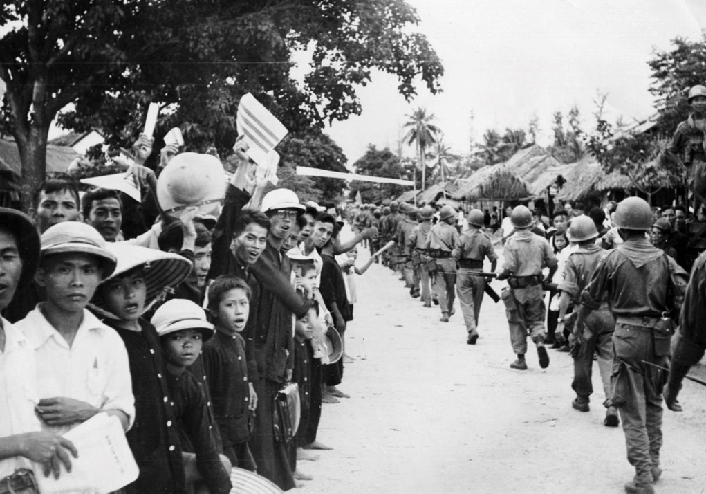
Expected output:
{"points": [[699, 381]]}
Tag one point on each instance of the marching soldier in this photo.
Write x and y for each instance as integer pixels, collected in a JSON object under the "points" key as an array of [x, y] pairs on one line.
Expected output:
{"points": [[376, 222], [385, 234], [420, 255], [474, 247], [393, 220], [526, 254], [644, 286], [404, 233], [441, 241], [578, 270]]}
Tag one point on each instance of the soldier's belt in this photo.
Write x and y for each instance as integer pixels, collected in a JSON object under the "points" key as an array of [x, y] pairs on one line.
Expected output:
{"points": [[645, 322], [470, 263], [520, 282], [439, 254]]}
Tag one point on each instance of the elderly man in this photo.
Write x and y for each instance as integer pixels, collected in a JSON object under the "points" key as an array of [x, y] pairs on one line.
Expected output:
{"points": [[82, 364], [21, 438]]}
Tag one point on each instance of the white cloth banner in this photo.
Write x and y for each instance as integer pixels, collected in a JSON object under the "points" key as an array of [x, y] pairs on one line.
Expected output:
{"points": [[315, 172], [260, 129]]}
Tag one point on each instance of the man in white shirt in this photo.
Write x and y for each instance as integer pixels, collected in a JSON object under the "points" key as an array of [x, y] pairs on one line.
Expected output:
{"points": [[21, 438], [82, 365]]}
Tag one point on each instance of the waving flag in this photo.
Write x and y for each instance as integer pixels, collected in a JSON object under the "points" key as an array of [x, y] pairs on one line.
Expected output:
{"points": [[259, 128]]}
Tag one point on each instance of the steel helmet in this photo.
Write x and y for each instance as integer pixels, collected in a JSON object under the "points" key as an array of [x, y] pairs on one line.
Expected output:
{"points": [[446, 213], [633, 213], [280, 199], [582, 228], [663, 224], [377, 212], [394, 206], [476, 217], [426, 213], [521, 217], [697, 90], [412, 212]]}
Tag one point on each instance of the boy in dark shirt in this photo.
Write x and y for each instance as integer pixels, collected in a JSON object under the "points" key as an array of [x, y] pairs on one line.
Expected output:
{"points": [[182, 328], [227, 368]]}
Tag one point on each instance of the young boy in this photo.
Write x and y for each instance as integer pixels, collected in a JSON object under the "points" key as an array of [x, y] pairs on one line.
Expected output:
{"points": [[139, 277], [182, 328], [227, 368]]}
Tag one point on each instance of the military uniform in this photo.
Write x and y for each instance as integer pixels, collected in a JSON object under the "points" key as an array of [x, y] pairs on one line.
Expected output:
{"points": [[638, 279], [420, 257], [598, 337], [688, 144], [474, 246], [441, 241], [404, 232], [526, 254]]}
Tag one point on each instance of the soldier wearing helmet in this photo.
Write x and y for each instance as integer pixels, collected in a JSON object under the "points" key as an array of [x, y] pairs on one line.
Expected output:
{"points": [[420, 258], [688, 144], [404, 232], [643, 286], [392, 222], [474, 246], [598, 337], [385, 234], [526, 255], [441, 241]]}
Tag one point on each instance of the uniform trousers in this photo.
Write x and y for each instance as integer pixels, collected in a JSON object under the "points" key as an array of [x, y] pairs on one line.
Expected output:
{"points": [[524, 309], [445, 282], [599, 339], [638, 393], [470, 294]]}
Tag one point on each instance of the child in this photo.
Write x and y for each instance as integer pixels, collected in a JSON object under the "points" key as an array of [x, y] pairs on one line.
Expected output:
{"points": [[351, 271], [139, 277], [227, 368], [182, 328]]}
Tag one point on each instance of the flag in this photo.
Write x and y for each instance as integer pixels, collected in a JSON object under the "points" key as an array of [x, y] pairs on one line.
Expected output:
{"points": [[260, 129]]}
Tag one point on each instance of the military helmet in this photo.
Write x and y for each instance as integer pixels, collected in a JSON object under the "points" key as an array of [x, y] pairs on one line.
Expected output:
{"points": [[412, 212], [394, 206], [476, 217], [386, 210], [404, 207], [697, 90], [377, 212], [446, 213], [581, 228], [521, 217], [633, 213], [426, 213], [663, 224]]}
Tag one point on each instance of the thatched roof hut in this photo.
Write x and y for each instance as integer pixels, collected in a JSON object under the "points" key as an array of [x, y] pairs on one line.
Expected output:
{"points": [[407, 196], [437, 191], [492, 183]]}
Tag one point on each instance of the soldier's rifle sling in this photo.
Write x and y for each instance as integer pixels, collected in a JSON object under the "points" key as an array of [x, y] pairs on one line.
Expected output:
{"points": [[698, 381]]}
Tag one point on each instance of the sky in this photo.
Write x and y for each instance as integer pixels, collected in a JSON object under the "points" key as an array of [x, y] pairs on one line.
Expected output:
{"points": [[507, 60]]}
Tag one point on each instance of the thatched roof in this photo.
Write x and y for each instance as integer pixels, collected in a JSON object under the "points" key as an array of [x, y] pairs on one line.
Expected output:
{"points": [[407, 196], [437, 190], [494, 183], [58, 157], [537, 167]]}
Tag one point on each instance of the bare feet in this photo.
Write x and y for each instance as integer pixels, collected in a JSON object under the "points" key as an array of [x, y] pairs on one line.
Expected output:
{"points": [[317, 445]]}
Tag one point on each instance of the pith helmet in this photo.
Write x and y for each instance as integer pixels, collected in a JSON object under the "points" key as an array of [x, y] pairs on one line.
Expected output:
{"points": [[521, 217], [634, 213], [695, 91], [280, 199], [476, 218], [446, 213], [582, 228]]}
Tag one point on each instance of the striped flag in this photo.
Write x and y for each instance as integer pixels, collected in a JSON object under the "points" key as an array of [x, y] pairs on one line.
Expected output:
{"points": [[259, 128]]}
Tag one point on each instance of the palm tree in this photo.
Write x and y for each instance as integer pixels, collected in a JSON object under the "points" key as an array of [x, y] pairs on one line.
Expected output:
{"points": [[442, 154], [422, 133]]}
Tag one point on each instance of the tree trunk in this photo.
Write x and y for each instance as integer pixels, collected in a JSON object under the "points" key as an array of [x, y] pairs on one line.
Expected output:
{"points": [[33, 155], [424, 167], [414, 179]]}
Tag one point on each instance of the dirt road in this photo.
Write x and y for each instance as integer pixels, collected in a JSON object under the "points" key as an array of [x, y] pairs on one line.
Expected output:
{"points": [[430, 414]]}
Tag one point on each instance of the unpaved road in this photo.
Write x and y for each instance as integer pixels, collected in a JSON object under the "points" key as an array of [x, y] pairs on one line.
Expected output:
{"points": [[430, 414]]}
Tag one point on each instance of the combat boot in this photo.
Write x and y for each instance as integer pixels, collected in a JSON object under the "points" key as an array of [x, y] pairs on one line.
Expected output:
{"points": [[519, 364], [581, 403], [543, 356], [611, 418], [472, 338], [444, 317], [639, 488]]}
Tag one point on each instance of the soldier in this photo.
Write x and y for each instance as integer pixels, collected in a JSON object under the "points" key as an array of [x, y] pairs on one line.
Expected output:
{"points": [[404, 232], [420, 258], [441, 241], [376, 222], [474, 247], [526, 254], [578, 270], [643, 286], [385, 233], [393, 220], [688, 144]]}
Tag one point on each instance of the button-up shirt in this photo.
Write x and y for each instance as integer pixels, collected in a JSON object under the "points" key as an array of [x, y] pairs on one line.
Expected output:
{"points": [[94, 369], [526, 254], [579, 268], [18, 395], [475, 245], [442, 236]]}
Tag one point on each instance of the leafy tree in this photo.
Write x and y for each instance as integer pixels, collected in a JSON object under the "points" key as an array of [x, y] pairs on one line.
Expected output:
{"points": [[558, 128], [112, 57], [316, 150], [422, 133], [533, 129], [490, 146], [674, 72], [379, 163]]}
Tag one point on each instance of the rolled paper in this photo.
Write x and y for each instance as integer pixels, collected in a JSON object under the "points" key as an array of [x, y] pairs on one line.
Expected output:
{"points": [[151, 122]]}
